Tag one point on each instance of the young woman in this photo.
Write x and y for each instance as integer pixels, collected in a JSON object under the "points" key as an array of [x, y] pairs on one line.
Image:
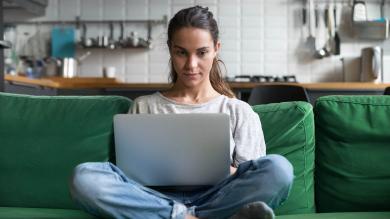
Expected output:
{"points": [[256, 182]]}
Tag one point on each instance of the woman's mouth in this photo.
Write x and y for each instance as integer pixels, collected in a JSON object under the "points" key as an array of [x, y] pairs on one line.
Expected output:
{"points": [[191, 75]]}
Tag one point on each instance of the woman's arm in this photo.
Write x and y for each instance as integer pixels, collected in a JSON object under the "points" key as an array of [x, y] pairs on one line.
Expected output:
{"points": [[248, 136]]}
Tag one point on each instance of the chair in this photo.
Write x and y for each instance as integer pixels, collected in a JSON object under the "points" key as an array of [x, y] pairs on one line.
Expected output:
{"points": [[264, 94], [387, 91]]}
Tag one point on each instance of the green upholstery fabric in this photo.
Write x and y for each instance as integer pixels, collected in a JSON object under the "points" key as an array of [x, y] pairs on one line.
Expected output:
{"points": [[42, 213], [289, 131], [352, 153], [44, 138], [350, 215]]}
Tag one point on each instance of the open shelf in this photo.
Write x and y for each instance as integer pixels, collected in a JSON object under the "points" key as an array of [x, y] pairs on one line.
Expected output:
{"points": [[374, 30]]}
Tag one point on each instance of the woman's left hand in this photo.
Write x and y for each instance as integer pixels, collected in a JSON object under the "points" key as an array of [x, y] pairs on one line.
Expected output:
{"points": [[232, 170]]}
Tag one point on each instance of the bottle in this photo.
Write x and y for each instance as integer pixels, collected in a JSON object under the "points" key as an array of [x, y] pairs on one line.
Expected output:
{"points": [[134, 39]]}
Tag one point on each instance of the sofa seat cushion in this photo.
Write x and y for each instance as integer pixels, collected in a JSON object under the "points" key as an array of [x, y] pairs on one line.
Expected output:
{"points": [[344, 215], [352, 153], [43, 138], [42, 213], [289, 130]]}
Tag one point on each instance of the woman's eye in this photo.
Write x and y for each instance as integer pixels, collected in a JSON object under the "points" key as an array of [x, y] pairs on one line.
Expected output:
{"points": [[180, 53], [202, 53]]}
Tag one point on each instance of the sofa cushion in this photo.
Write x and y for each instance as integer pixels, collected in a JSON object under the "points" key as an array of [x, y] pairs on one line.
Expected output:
{"points": [[23, 213], [352, 153], [44, 138], [289, 130], [345, 215]]}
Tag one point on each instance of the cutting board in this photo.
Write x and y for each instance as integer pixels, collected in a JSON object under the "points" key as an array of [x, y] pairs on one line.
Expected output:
{"points": [[63, 42]]}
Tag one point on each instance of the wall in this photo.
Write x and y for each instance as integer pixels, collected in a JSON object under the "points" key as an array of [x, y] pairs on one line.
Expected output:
{"points": [[258, 37]]}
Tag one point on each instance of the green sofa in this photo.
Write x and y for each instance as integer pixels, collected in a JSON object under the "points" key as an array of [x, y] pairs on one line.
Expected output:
{"points": [[340, 152], [341, 169]]}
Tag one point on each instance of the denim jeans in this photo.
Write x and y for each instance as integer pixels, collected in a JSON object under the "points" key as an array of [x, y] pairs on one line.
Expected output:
{"points": [[104, 191]]}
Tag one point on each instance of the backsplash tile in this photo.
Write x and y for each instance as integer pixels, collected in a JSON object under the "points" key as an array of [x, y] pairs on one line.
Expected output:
{"points": [[114, 9], [252, 68], [69, 9], [158, 8], [137, 9], [257, 36], [160, 69], [130, 78], [87, 13], [92, 66], [206, 2]]}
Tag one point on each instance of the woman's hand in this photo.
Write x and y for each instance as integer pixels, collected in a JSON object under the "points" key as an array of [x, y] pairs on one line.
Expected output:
{"points": [[232, 170]]}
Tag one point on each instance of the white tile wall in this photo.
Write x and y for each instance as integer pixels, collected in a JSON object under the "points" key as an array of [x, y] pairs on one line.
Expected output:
{"points": [[257, 36], [114, 9], [68, 10], [158, 8], [91, 9], [137, 9]]}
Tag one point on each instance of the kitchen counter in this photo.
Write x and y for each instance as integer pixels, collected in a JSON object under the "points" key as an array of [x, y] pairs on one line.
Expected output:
{"points": [[53, 86], [100, 83]]}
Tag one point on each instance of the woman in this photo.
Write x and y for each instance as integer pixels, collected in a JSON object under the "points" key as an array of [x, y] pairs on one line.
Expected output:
{"points": [[256, 182]]}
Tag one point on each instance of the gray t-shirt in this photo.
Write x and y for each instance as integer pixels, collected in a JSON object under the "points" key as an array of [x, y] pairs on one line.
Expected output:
{"points": [[246, 136]]}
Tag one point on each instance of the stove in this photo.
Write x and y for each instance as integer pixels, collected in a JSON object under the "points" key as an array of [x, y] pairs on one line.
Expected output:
{"points": [[262, 78]]}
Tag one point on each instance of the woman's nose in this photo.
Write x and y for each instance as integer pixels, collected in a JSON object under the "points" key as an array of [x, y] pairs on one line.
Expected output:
{"points": [[192, 61]]}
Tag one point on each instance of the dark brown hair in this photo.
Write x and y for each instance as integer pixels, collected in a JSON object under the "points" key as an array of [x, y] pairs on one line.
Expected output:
{"points": [[199, 17]]}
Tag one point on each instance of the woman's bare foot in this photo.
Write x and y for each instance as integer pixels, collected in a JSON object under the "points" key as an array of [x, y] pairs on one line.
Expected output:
{"points": [[190, 217], [254, 210]]}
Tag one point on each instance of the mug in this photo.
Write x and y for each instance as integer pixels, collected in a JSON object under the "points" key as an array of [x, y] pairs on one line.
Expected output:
{"points": [[109, 72]]}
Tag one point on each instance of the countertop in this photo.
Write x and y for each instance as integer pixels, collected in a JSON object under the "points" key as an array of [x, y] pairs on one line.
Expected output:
{"points": [[100, 83]]}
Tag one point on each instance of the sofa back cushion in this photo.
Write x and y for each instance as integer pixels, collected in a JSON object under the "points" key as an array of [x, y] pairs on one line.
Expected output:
{"points": [[352, 153], [289, 130], [43, 138]]}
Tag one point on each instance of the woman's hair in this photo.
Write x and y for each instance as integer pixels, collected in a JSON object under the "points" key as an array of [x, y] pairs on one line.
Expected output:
{"points": [[199, 17]]}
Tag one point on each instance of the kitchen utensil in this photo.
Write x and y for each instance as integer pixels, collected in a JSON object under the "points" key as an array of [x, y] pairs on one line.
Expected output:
{"points": [[336, 50], [134, 39], [85, 42], [304, 15], [324, 50], [372, 64], [51, 66], [330, 28], [122, 42], [359, 11], [329, 46], [144, 43], [311, 40], [111, 41], [69, 66]]}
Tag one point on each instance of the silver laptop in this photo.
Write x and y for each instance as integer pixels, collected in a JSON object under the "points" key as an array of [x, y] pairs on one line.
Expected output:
{"points": [[173, 149]]}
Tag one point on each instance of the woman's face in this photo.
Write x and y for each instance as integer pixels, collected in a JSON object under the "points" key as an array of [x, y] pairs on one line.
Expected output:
{"points": [[192, 52]]}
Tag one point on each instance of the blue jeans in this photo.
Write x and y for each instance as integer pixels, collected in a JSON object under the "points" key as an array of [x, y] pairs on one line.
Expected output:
{"points": [[104, 191]]}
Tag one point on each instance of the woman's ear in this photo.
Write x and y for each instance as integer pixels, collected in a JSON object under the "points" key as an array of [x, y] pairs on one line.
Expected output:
{"points": [[217, 46]]}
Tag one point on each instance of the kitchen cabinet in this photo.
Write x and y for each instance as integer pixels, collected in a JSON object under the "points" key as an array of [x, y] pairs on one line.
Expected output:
{"points": [[36, 7]]}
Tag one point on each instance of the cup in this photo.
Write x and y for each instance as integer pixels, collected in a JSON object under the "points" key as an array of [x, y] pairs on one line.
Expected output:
{"points": [[109, 72]]}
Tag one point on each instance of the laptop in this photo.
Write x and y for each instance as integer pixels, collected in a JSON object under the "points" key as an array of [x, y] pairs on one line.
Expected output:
{"points": [[173, 150]]}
